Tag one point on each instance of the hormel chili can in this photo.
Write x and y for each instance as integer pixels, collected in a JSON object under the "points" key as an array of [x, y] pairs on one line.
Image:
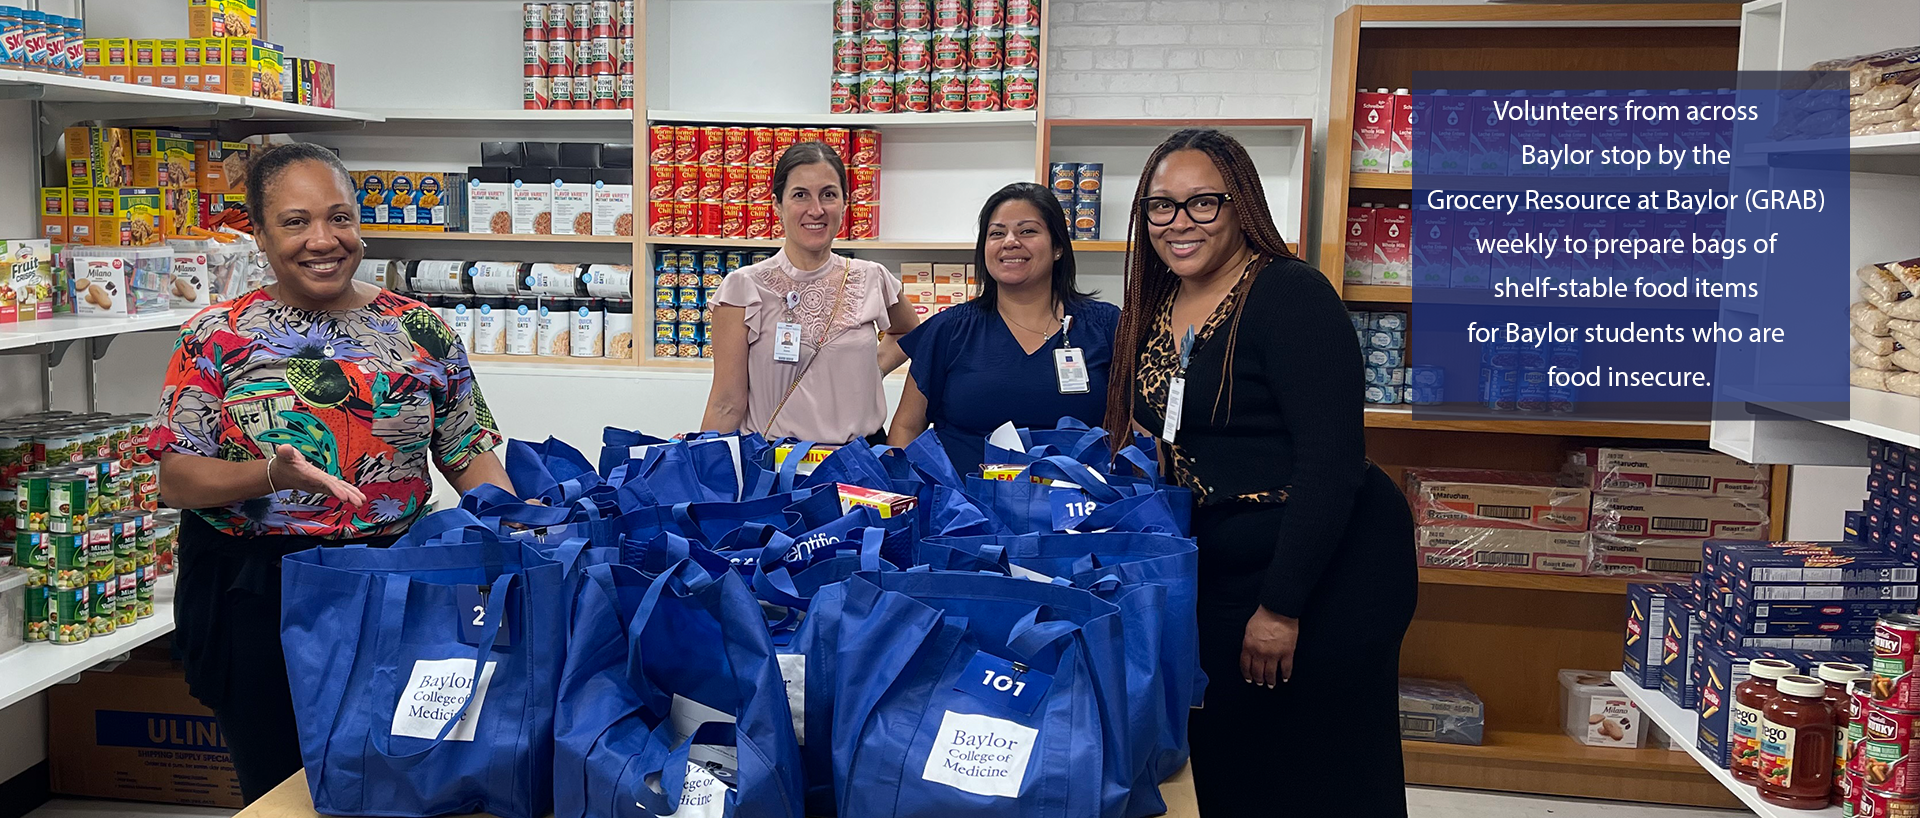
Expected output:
{"points": [[735, 187], [707, 220], [915, 49], [1886, 763], [807, 135], [949, 49], [846, 17], [760, 145], [879, 15], [561, 91], [686, 182], [533, 21], [866, 147], [1894, 644], [713, 182], [759, 183], [559, 58], [983, 90], [876, 93], [660, 218], [662, 180], [686, 144], [951, 14], [712, 145], [983, 48], [1859, 701], [846, 53], [775, 230], [1876, 803], [733, 220], [987, 14], [734, 151], [1021, 13], [783, 138], [840, 140], [603, 21], [865, 218], [660, 144], [538, 93], [877, 52], [1021, 48], [865, 183], [949, 90], [915, 15], [1020, 90], [912, 92], [683, 216], [846, 225], [759, 217]]}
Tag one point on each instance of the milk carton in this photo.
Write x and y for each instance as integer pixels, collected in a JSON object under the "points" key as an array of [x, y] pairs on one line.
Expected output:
{"points": [[1392, 246], [1525, 131], [1452, 134], [1372, 131], [1400, 154], [1432, 249], [1469, 264], [1359, 259], [1487, 142]]}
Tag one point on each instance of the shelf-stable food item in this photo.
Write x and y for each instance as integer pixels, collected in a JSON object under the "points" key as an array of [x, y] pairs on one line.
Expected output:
{"points": [[1503, 549], [1678, 516], [1647, 606], [1659, 471], [1750, 698], [1440, 711], [1595, 712], [1796, 745], [1483, 498]]}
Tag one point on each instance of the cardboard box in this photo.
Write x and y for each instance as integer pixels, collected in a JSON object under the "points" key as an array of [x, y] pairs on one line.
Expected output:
{"points": [[106, 216], [889, 504], [167, 63], [1503, 549], [1445, 712], [137, 734], [1752, 597], [99, 157], [116, 59], [489, 199], [1645, 471], [916, 272], [1634, 556], [315, 83], [401, 199], [221, 167], [1400, 154], [266, 64], [54, 214], [1393, 246], [28, 286], [1669, 515], [952, 275], [239, 64], [1358, 267], [138, 217], [1646, 629], [213, 65], [1678, 650], [223, 18], [80, 223], [145, 62], [91, 60], [1804, 563], [1485, 498], [146, 158]]}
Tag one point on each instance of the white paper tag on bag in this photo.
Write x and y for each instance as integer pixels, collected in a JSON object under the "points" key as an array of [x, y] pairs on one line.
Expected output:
{"points": [[980, 754], [703, 796], [1176, 400], [687, 715], [434, 693], [793, 671]]}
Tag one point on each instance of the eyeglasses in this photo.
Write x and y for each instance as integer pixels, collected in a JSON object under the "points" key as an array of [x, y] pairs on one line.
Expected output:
{"points": [[1202, 209]]}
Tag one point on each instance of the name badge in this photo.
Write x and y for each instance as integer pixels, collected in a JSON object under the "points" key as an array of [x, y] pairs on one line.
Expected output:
{"points": [[1070, 507], [1008, 684], [472, 609], [786, 342], [1070, 369], [1176, 398]]}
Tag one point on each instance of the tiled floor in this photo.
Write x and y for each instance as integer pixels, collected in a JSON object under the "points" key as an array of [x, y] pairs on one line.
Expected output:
{"points": [[1423, 802]]}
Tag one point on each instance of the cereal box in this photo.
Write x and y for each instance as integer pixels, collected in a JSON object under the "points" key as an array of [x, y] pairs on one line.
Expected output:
{"points": [[53, 214], [221, 167], [80, 215]]}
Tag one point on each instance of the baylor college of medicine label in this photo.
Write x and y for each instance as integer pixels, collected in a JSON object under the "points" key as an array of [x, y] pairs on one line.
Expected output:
{"points": [[980, 754], [434, 693]]}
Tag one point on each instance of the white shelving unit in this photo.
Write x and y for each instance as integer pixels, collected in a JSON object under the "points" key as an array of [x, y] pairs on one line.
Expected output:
{"points": [[1680, 723], [76, 328], [826, 120], [32, 668], [52, 88]]}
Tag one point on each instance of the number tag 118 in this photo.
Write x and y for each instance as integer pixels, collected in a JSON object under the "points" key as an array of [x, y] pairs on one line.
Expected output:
{"points": [[1009, 684], [1069, 507], [471, 601]]}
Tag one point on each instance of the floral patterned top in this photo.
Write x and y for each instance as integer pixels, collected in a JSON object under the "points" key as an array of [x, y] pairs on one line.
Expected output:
{"points": [[366, 394]]}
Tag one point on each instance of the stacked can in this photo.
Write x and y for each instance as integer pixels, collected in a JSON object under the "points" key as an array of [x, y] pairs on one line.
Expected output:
{"points": [[37, 41], [686, 287], [628, 56], [1076, 185], [711, 181], [1889, 782], [916, 56]]}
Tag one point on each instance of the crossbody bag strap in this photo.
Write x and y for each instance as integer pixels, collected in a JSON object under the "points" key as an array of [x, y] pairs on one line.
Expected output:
{"points": [[846, 272]]}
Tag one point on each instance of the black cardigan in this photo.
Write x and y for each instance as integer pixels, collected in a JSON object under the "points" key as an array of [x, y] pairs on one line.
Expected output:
{"points": [[1294, 421]]}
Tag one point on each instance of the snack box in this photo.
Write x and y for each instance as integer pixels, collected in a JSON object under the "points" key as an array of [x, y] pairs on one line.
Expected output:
{"points": [[1630, 556], [214, 55], [99, 157], [54, 214], [221, 167], [1657, 471], [1440, 711], [1685, 627], [1594, 711], [27, 267], [1495, 499], [313, 83], [1503, 549], [813, 458], [1646, 630], [889, 504], [1668, 515], [266, 64], [1835, 562]]}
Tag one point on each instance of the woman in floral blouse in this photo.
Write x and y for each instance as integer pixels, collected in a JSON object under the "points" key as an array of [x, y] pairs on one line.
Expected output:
{"points": [[305, 413]]}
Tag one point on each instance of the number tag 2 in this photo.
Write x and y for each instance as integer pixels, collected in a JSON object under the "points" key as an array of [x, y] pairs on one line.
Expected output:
{"points": [[1070, 507], [1010, 685], [471, 606]]}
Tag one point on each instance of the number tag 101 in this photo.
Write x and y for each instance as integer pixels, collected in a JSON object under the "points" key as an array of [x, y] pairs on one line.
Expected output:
{"points": [[1069, 508], [1009, 684], [471, 601]]}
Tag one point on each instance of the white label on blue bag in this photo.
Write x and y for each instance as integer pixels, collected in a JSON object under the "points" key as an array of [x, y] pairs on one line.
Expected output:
{"points": [[687, 715], [703, 796], [793, 671], [1069, 507], [1011, 685], [434, 693], [980, 754]]}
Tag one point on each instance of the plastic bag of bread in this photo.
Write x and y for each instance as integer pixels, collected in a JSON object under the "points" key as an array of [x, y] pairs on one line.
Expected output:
{"points": [[1902, 340], [1845, 63], [1863, 75], [1863, 118], [1904, 327], [1868, 378], [1879, 280], [1876, 344], [1868, 317], [1865, 359]]}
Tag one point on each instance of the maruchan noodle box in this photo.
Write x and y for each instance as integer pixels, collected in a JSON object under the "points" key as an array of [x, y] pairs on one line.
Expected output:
{"points": [[1496, 549], [1495, 499], [1654, 471], [1656, 515]]}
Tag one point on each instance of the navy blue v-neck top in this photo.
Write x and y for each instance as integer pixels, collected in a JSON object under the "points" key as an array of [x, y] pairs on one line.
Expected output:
{"points": [[976, 377]]}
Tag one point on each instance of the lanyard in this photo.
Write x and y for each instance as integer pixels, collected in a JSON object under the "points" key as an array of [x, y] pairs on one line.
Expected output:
{"points": [[1177, 390]]}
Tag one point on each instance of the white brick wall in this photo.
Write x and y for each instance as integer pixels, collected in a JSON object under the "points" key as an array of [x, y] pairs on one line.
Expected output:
{"points": [[1183, 58]]}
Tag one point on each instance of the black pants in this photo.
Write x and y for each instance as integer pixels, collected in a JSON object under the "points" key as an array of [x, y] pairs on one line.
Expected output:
{"points": [[1326, 742]]}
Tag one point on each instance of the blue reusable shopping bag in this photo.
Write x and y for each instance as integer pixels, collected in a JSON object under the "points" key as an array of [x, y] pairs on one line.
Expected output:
{"points": [[552, 472], [383, 647], [671, 673], [979, 694]]}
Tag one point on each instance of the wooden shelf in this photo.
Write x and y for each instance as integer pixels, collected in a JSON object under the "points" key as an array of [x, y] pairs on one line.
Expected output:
{"points": [[1556, 748], [1553, 764], [1383, 417], [1099, 246], [1531, 582], [1380, 181], [1675, 720], [517, 238], [1376, 292]]}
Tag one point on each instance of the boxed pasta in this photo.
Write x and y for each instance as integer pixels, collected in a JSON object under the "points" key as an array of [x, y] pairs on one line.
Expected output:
{"points": [[1495, 499], [1646, 630]]}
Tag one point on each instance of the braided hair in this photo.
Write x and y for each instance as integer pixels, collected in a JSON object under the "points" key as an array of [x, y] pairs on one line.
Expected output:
{"points": [[1149, 282]]}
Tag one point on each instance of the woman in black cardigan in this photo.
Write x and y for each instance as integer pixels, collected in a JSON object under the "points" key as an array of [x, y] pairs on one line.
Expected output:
{"points": [[1307, 575]]}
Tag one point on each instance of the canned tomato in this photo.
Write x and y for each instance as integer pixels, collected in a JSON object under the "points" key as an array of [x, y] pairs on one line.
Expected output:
{"points": [[1877, 803], [866, 147], [948, 47], [983, 90], [879, 15], [877, 52], [865, 183], [686, 144], [733, 149], [58, 446], [69, 611], [914, 15], [1021, 13], [759, 183], [865, 220], [846, 53], [37, 621], [626, 88], [987, 14], [733, 220], [876, 93], [624, 53], [846, 17], [915, 50], [559, 21], [951, 14], [626, 18], [1021, 89], [734, 187], [1887, 744], [713, 180], [166, 533], [686, 182], [533, 58], [760, 147], [601, 52], [783, 138], [1894, 644], [660, 144], [759, 220], [912, 92], [583, 93], [983, 48], [1021, 48]]}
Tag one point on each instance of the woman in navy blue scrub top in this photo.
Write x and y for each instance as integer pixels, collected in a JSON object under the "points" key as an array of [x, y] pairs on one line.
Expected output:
{"points": [[1030, 348]]}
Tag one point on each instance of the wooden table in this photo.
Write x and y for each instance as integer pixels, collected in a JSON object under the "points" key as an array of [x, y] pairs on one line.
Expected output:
{"points": [[291, 800]]}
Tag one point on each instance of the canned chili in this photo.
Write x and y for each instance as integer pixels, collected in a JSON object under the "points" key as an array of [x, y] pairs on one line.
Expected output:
{"points": [[660, 182], [948, 47], [866, 147], [734, 148], [1894, 643], [783, 138], [760, 146], [864, 221], [660, 217], [759, 183], [686, 144], [707, 220], [865, 183], [686, 182], [735, 187], [759, 219], [1875, 803], [733, 220], [807, 135], [712, 182], [683, 218], [840, 140], [1888, 744], [711, 145], [660, 144]]}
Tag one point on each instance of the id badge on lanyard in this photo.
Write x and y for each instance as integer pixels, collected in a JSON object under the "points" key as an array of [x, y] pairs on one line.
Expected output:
{"points": [[1177, 390], [786, 334], [1070, 364]]}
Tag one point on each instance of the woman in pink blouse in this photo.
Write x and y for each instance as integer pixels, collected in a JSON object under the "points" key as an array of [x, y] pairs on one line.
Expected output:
{"points": [[801, 340]]}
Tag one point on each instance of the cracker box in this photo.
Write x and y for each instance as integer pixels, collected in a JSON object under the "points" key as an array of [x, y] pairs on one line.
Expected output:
{"points": [[889, 504], [1646, 630], [1646, 471], [54, 214], [266, 68], [1669, 515], [1503, 549], [213, 65], [221, 167], [1644, 556], [1486, 498], [145, 62], [80, 224], [103, 284], [1440, 711]]}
